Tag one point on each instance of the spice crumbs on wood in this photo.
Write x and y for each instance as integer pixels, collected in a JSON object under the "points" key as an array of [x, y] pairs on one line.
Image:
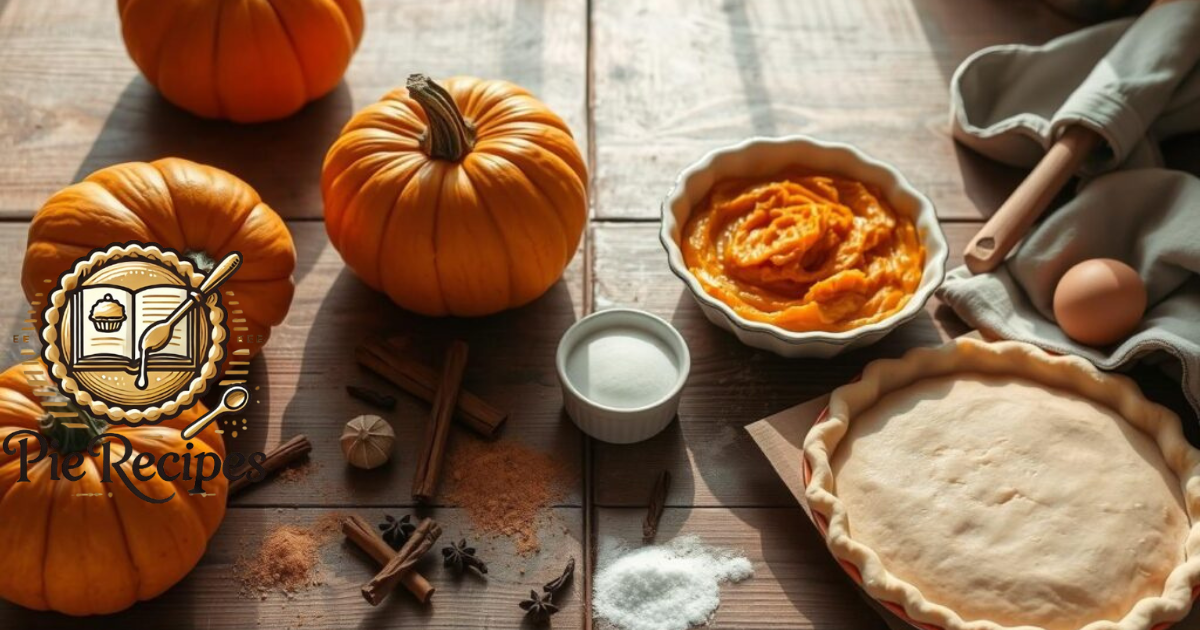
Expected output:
{"points": [[288, 560], [504, 487], [297, 472]]}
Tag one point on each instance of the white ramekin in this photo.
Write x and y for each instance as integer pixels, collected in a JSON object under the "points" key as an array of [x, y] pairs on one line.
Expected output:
{"points": [[621, 425], [760, 157]]}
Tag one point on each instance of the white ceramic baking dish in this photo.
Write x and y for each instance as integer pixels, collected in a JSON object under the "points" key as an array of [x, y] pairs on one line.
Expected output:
{"points": [[622, 425], [760, 157]]}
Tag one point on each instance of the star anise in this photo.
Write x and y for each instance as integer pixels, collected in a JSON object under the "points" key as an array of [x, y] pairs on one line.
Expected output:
{"points": [[397, 530], [459, 557], [539, 605]]}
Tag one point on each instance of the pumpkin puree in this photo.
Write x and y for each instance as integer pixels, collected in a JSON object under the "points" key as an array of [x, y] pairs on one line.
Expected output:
{"points": [[804, 252]]}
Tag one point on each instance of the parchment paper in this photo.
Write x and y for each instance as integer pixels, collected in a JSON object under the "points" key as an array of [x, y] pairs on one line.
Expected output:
{"points": [[781, 438]]}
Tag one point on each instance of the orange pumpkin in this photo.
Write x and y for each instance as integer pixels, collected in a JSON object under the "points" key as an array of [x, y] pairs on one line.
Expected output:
{"points": [[246, 61], [78, 554], [201, 212], [463, 200]]}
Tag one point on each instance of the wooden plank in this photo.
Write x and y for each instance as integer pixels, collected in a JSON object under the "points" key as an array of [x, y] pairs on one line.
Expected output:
{"points": [[674, 79], [298, 381], [712, 459], [796, 583], [209, 597], [71, 101]]}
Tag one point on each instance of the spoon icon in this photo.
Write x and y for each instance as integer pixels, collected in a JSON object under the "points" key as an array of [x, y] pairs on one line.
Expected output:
{"points": [[158, 335], [234, 399]]}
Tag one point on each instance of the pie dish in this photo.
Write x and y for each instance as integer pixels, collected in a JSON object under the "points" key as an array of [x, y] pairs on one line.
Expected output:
{"points": [[763, 157], [989, 486]]}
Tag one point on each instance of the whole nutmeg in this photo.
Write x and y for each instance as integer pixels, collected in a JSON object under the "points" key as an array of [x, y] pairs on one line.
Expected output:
{"points": [[367, 442]]}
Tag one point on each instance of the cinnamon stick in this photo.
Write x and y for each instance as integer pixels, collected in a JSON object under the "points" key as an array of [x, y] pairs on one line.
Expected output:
{"points": [[279, 457], [658, 501], [372, 397], [402, 563], [387, 359], [437, 430], [360, 532]]}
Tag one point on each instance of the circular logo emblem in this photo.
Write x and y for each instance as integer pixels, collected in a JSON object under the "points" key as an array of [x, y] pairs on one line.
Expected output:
{"points": [[135, 334]]}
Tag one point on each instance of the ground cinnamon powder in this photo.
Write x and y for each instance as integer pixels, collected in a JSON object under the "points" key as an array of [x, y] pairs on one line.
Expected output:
{"points": [[288, 559], [296, 473], [504, 486]]}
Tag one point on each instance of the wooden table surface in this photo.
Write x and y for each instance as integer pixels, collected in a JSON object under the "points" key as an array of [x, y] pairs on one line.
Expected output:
{"points": [[647, 86]]}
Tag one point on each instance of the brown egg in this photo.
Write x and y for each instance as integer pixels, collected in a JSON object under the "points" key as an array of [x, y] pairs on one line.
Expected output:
{"points": [[1100, 301]]}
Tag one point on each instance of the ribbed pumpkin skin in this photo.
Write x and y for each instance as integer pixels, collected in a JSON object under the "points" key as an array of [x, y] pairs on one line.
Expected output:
{"points": [[92, 555], [181, 205], [472, 237], [242, 60]]}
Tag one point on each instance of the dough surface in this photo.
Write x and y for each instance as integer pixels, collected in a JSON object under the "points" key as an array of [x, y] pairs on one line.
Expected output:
{"points": [[1007, 501]]}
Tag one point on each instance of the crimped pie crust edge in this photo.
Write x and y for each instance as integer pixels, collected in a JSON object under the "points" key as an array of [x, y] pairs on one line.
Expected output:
{"points": [[1000, 358]]}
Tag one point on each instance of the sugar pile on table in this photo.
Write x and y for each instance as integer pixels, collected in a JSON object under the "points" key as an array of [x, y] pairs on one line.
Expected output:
{"points": [[674, 586]]}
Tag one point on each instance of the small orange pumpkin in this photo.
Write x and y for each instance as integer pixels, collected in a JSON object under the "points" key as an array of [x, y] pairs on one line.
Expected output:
{"points": [[463, 200], [246, 61], [199, 211], [71, 546]]}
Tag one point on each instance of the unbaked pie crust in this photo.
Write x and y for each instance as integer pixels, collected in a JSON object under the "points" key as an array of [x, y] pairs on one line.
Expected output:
{"points": [[986, 486]]}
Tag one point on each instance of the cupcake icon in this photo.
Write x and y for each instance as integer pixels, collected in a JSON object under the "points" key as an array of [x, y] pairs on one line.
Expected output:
{"points": [[107, 314]]}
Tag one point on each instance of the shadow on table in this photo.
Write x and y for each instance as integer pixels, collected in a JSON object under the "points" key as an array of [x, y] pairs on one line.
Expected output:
{"points": [[280, 159], [253, 424], [794, 552], [177, 609], [1183, 153], [732, 385], [511, 364], [179, 604], [954, 30]]}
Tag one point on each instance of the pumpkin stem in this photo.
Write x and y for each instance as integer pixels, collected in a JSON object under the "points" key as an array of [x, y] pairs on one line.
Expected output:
{"points": [[201, 260], [71, 434], [449, 136]]}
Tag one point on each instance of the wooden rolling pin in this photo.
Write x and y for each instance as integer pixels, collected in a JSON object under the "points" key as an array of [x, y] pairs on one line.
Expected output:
{"points": [[1008, 226], [1012, 221]]}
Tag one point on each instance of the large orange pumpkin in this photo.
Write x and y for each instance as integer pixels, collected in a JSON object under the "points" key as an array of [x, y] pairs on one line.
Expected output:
{"points": [[70, 546], [202, 212], [463, 200], [245, 60]]}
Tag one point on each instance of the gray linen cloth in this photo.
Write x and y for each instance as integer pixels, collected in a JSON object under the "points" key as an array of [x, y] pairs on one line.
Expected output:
{"points": [[1010, 102]]}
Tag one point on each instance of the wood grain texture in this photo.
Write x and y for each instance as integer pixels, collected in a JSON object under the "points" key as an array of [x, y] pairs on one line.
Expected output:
{"points": [[796, 583], [712, 460], [298, 382], [675, 79], [71, 101], [311, 359], [670, 79], [210, 597]]}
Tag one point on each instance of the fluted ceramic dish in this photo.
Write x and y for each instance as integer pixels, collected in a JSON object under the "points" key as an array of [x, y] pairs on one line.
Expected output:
{"points": [[761, 157]]}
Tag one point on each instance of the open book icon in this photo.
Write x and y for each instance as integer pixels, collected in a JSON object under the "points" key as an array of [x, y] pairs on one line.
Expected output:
{"points": [[114, 318]]}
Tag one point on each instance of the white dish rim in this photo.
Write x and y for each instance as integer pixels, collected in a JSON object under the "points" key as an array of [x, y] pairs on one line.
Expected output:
{"points": [[935, 262], [678, 345]]}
